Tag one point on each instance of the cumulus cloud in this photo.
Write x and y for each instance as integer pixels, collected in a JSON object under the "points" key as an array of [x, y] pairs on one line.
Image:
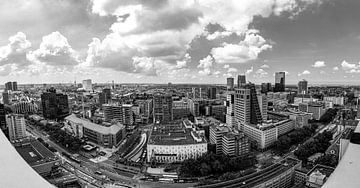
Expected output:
{"points": [[335, 68], [163, 29], [55, 50], [248, 49], [261, 73], [347, 66], [226, 66], [248, 71], [15, 52], [319, 64], [206, 65], [232, 69], [265, 66], [305, 72]]}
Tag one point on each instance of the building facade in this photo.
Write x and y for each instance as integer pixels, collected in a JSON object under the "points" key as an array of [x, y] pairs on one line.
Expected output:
{"points": [[16, 126], [279, 82], [162, 108]]}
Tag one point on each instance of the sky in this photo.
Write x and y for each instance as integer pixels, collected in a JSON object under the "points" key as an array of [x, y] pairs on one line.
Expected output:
{"points": [[187, 41]]}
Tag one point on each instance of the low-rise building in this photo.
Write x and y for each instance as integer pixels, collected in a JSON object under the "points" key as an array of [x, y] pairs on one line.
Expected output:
{"points": [[41, 159], [217, 133], [235, 144], [267, 133], [106, 135], [173, 142]]}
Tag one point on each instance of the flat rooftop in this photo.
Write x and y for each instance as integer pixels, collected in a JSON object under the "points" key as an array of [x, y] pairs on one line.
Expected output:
{"points": [[33, 152], [173, 133]]}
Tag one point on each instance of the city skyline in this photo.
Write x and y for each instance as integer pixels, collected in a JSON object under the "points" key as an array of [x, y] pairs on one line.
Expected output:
{"points": [[167, 41]]}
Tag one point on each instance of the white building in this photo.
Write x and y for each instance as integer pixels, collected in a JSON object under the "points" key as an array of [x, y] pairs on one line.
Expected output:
{"points": [[335, 100], [174, 143], [87, 85], [230, 109], [267, 133], [16, 125]]}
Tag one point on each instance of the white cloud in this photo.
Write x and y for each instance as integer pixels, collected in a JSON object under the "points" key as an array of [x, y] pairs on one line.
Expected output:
{"points": [[246, 50], [265, 66], [336, 68], [232, 69], [163, 29], [261, 73], [55, 50], [347, 66], [226, 66], [319, 64], [206, 65], [322, 72], [305, 72], [248, 71], [15, 52]]}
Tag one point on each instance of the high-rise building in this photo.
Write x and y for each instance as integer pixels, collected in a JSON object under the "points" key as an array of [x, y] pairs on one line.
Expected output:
{"points": [[54, 105], [5, 96], [162, 108], [11, 86], [14, 86], [279, 82], [235, 144], [105, 96], [87, 85], [230, 109], [212, 93], [265, 87], [302, 87], [263, 104], [247, 109], [16, 125], [121, 113], [230, 83], [2, 118], [241, 80]]}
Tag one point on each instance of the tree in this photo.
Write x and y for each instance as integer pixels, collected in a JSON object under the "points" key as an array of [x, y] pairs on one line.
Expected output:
{"points": [[328, 160]]}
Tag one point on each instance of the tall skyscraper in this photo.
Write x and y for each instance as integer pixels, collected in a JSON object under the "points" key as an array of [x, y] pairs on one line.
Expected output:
{"points": [[87, 85], [230, 83], [247, 109], [265, 87], [16, 126], [230, 109], [11, 86], [105, 96], [162, 108], [279, 82], [54, 105], [303, 87], [241, 80], [14, 86], [2, 118], [212, 93], [5, 96]]}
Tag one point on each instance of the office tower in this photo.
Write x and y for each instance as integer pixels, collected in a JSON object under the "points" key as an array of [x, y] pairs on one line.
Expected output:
{"points": [[87, 85], [5, 96], [14, 86], [11, 86], [2, 117], [230, 83], [212, 93], [105, 96], [230, 109], [162, 108], [265, 87], [241, 80], [8, 86], [279, 82], [235, 144], [121, 113], [16, 126], [302, 87], [54, 105], [263, 104], [247, 109], [216, 134]]}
